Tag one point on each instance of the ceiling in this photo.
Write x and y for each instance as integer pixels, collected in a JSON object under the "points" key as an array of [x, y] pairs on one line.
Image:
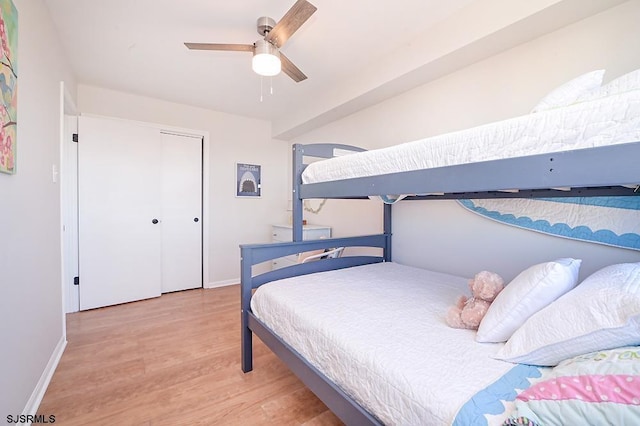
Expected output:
{"points": [[354, 52]]}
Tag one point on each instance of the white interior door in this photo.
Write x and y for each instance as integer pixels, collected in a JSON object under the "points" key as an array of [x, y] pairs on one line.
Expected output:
{"points": [[119, 179], [181, 212]]}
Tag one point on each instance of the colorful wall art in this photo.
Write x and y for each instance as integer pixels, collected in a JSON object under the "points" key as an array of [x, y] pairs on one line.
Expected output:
{"points": [[8, 85]]}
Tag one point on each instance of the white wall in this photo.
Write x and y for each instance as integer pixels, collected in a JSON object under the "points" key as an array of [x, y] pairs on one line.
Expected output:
{"points": [[30, 271], [440, 235], [233, 139]]}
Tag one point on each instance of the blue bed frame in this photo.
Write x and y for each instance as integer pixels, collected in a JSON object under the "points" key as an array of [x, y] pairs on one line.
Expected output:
{"points": [[580, 173]]}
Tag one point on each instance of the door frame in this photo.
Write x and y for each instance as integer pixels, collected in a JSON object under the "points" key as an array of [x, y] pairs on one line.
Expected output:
{"points": [[68, 205], [72, 290]]}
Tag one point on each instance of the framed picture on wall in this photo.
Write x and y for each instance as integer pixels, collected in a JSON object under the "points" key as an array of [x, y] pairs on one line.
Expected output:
{"points": [[8, 85], [248, 180]]}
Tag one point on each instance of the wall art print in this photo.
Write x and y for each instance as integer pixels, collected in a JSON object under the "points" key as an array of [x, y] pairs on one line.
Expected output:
{"points": [[248, 178], [8, 85]]}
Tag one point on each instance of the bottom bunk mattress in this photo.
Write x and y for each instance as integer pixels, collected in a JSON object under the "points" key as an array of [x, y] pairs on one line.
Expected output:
{"points": [[378, 331]]}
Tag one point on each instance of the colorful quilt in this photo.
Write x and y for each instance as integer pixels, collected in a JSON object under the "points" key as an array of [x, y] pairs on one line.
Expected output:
{"points": [[493, 405], [599, 388], [613, 221]]}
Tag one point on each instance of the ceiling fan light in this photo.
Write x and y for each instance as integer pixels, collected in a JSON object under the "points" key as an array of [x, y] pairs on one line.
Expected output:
{"points": [[266, 64], [266, 59]]}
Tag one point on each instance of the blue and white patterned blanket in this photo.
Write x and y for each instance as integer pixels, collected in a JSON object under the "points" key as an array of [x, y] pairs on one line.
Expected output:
{"points": [[613, 221]]}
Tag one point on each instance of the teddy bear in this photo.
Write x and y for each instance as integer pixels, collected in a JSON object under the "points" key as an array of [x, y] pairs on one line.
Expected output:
{"points": [[468, 312]]}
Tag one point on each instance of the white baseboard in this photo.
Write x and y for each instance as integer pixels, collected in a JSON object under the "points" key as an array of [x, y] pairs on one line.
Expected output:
{"points": [[223, 283], [45, 379]]}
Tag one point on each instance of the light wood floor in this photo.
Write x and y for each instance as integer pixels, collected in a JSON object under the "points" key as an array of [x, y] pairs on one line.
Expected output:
{"points": [[173, 360]]}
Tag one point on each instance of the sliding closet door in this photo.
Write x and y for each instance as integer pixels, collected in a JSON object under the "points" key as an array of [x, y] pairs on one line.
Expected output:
{"points": [[181, 212], [119, 202]]}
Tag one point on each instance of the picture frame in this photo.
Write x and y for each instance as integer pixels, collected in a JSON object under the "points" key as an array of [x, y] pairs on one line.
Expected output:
{"points": [[8, 85], [248, 180]]}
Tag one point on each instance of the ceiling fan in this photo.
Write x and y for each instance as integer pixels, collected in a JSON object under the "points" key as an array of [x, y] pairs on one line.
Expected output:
{"points": [[267, 58]]}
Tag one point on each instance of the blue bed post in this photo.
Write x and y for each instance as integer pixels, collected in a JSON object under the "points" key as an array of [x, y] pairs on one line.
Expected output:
{"points": [[387, 231], [296, 208], [246, 260]]}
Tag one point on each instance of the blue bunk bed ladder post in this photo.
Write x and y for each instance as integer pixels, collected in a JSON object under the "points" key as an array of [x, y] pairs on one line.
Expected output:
{"points": [[387, 232], [298, 168], [246, 260]]}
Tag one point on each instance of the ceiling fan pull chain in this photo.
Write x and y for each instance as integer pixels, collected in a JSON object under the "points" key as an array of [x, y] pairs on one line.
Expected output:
{"points": [[271, 83], [261, 80]]}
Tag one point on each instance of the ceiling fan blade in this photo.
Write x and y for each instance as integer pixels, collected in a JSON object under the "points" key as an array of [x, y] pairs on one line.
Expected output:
{"points": [[290, 22], [220, 46], [291, 70]]}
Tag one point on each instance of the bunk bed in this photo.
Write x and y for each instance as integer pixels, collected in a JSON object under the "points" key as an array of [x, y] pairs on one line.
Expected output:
{"points": [[593, 151]]}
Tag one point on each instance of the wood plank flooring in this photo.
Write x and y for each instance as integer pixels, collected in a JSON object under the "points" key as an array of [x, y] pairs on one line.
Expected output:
{"points": [[173, 360]]}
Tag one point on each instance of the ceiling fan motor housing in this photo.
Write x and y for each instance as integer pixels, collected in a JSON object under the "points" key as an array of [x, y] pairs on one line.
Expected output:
{"points": [[265, 24]]}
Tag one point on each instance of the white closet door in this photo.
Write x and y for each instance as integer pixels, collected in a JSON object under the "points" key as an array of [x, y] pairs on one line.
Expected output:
{"points": [[181, 212], [118, 199]]}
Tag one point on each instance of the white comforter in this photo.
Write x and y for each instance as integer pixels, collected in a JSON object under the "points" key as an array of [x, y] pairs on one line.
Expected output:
{"points": [[606, 121], [378, 331]]}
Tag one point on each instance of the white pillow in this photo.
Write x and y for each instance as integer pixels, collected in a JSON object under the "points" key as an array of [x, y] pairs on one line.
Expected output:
{"points": [[533, 289], [603, 312], [624, 83], [570, 91]]}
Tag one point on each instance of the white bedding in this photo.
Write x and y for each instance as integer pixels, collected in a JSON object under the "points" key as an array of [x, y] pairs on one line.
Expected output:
{"points": [[605, 121], [378, 331]]}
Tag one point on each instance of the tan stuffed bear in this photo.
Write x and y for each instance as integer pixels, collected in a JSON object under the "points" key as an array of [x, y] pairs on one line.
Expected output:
{"points": [[468, 312]]}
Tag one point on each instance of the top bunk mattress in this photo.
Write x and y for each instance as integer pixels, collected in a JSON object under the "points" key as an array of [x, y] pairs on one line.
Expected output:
{"points": [[608, 120], [378, 332]]}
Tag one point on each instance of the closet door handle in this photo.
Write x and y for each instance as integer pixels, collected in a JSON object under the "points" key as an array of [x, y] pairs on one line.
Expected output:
{"points": [[154, 221], [195, 219]]}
